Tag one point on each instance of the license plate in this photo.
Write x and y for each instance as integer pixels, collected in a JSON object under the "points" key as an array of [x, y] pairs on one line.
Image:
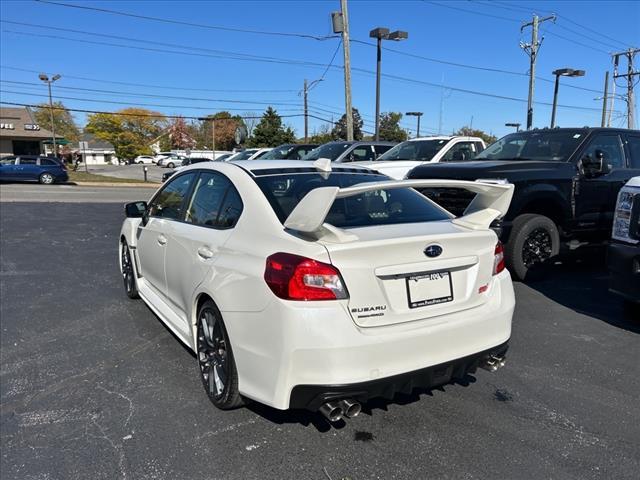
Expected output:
{"points": [[429, 289]]}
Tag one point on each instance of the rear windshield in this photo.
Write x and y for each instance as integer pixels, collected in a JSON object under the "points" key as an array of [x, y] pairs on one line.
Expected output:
{"points": [[329, 150], [378, 207], [419, 150]]}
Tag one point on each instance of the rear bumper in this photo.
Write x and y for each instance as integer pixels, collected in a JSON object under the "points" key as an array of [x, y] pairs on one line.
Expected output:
{"points": [[311, 397], [623, 261], [294, 354]]}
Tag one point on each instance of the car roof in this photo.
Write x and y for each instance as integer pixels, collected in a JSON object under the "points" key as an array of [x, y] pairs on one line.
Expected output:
{"points": [[257, 165], [577, 129]]}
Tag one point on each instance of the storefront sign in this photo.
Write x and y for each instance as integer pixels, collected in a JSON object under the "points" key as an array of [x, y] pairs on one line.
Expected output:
{"points": [[31, 126], [7, 126]]}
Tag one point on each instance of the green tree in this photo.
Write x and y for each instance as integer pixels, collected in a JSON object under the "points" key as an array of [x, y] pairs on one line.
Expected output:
{"points": [[62, 120], [470, 132], [270, 132], [130, 130], [321, 135], [339, 131], [390, 129]]}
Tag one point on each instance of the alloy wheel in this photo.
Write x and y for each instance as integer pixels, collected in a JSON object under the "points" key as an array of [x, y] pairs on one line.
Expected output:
{"points": [[127, 269], [46, 178], [212, 354], [537, 247]]}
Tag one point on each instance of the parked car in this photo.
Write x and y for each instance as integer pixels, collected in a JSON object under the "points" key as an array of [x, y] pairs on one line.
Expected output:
{"points": [[289, 151], [319, 286], [406, 155], [343, 152], [623, 256], [29, 168], [140, 159], [248, 154], [185, 163], [566, 180], [160, 155], [170, 161], [224, 157]]}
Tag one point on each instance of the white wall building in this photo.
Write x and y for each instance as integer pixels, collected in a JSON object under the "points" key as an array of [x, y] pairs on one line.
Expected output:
{"points": [[99, 152]]}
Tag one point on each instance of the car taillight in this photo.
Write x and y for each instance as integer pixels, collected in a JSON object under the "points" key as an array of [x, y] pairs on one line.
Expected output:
{"points": [[293, 277], [498, 259]]}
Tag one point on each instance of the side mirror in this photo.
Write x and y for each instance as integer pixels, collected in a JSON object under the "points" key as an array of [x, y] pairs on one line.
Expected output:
{"points": [[593, 166], [135, 209]]}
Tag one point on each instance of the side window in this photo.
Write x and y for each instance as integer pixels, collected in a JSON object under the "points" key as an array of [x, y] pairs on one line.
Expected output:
{"points": [[610, 146], [459, 152], [168, 203], [380, 149], [479, 147], [8, 161], [27, 161], [214, 203], [48, 162], [231, 209], [633, 142], [361, 154]]}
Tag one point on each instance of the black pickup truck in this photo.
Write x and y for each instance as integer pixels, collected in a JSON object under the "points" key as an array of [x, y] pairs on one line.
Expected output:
{"points": [[566, 184]]}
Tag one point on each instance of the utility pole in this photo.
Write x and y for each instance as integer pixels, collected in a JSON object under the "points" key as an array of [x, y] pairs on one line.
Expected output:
{"points": [[48, 81], [603, 123], [306, 112], [532, 50], [340, 21], [630, 54]]}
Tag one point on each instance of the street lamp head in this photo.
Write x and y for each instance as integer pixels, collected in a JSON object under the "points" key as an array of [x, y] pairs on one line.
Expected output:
{"points": [[568, 72], [414, 114], [512, 125], [43, 77], [398, 35], [55, 77], [379, 32]]}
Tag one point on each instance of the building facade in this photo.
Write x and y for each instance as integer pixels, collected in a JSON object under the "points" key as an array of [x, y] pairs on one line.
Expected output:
{"points": [[98, 152], [20, 134]]}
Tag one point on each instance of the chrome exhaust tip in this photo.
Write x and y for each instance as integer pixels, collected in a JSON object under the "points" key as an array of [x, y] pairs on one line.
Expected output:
{"points": [[350, 407], [492, 363], [332, 411]]}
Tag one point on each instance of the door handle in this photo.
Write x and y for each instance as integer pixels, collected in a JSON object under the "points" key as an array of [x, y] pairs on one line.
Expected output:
{"points": [[205, 253], [162, 240]]}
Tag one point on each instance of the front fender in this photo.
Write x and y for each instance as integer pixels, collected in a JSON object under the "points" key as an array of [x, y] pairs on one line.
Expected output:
{"points": [[558, 195], [129, 231]]}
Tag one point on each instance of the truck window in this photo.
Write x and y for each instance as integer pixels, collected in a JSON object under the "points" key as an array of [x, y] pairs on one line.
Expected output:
{"points": [[461, 151], [634, 150], [611, 146]]}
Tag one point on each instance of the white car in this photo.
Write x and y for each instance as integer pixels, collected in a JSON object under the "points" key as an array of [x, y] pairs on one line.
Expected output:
{"points": [[171, 161], [398, 161], [140, 159], [320, 289]]}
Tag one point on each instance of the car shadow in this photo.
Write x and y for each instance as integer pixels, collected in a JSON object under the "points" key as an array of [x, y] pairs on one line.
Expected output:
{"points": [[321, 424], [582, 284]]}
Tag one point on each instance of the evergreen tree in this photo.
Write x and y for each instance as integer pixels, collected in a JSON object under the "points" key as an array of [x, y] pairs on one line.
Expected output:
{"points": [[339, 131], [270, 132]]}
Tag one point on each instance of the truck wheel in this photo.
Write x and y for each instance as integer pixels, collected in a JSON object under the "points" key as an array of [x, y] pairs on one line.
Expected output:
{"points": [[533, 242]]}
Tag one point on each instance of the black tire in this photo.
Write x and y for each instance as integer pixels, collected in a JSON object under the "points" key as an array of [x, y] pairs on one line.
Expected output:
{"points": [[46, 178], [216, 364], [170, 165], [128, 272], [533, 243]]}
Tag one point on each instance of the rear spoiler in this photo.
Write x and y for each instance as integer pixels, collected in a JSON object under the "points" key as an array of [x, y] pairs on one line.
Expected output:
{"points": [[492, 201]]}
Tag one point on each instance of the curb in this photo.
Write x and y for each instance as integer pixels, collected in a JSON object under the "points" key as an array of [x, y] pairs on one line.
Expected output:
{"points": [[114, 184]]}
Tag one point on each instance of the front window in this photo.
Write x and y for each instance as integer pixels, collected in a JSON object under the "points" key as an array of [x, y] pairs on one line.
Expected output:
{"points": [[329, 150], [168, 203], [538, 145], [244, 155], [8, 161], [379, 207], [278, 153], [417, 150]]}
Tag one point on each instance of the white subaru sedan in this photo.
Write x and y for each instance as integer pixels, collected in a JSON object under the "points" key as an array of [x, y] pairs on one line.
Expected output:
{"points": [[318, 286]]}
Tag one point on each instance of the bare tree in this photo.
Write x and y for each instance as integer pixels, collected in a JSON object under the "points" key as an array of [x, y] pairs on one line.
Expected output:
{"points": [[251, 119]]}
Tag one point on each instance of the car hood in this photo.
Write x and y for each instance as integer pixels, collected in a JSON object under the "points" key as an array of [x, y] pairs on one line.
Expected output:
{"points": [[511, 170]]}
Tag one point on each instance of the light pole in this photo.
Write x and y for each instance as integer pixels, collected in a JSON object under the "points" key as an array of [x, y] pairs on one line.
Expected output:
{"points": [[415, 114], [563, 72], [516, 125], [46, 80], [380, 34]]}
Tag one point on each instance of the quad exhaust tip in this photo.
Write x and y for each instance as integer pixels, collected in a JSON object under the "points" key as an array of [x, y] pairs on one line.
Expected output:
{"points": [[493, 363], [335, 411]]}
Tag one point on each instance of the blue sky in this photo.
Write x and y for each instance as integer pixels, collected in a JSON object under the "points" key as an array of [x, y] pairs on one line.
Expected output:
{"points": [[478, 33]]}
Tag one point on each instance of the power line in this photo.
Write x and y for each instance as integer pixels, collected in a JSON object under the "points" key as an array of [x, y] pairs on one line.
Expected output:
{"points": [[146, 85], [188, 24], [95, 90]]}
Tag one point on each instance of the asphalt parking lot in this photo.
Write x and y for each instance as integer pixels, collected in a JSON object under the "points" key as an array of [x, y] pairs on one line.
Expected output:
{"points": [[134, 172], [92, 385]]}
